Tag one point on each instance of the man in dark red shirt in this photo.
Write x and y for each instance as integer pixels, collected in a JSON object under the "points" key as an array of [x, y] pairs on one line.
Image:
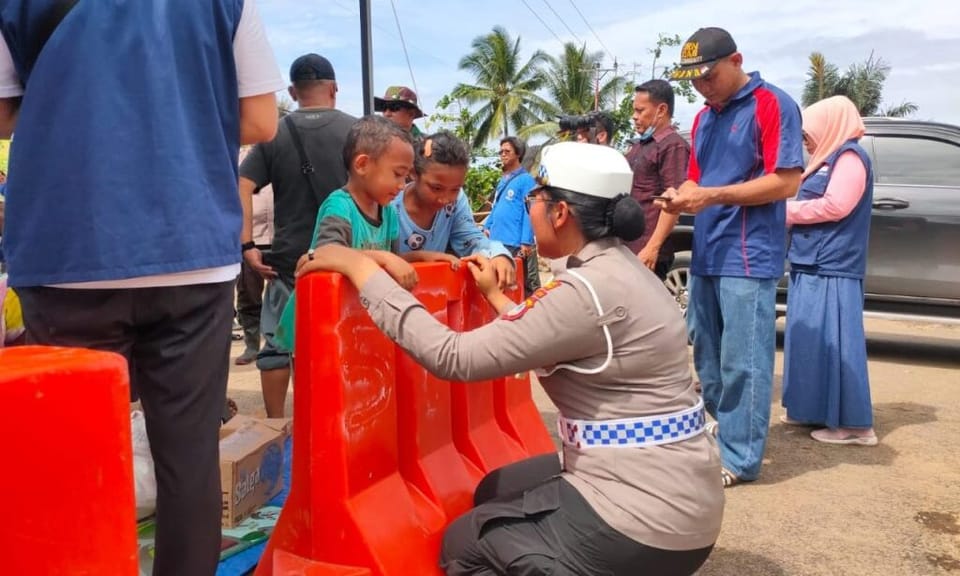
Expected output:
{"points": [[659, 160]]}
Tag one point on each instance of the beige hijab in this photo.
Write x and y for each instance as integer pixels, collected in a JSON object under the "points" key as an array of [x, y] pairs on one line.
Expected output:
{"points": [[828, 124]]}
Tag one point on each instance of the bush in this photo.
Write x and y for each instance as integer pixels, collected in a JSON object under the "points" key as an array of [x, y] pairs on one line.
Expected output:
{"points": [[479, 186]]}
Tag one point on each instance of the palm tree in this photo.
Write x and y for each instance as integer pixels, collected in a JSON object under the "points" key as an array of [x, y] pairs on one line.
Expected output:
{"points": [[822, 80], [862, 83], [504, 89], [570, 82]]}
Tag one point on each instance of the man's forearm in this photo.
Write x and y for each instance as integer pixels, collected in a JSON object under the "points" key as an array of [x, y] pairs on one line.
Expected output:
{"points": [[246, 202], [780, 185], [665, 225]]}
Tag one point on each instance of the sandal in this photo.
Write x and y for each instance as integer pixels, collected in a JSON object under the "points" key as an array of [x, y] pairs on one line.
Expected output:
{"points": [[729, 479], [788, 421]]}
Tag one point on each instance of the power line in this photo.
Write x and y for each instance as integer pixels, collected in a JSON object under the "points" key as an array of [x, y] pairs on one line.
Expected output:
{"points": [[537, 16], [594, 32], [406, 55], [562, 21]]}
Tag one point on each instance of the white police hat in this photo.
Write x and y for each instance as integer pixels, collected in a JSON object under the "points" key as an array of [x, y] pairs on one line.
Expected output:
{"points": [[589, 169]]}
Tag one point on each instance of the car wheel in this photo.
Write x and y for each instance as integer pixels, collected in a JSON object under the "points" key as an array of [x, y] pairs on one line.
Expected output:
{"points": [[677, 280]]}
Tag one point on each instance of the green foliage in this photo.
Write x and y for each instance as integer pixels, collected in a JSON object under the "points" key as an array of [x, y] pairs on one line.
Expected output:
{"points": [[862, 83], [683, 88], [504, 87], [480, 183]]}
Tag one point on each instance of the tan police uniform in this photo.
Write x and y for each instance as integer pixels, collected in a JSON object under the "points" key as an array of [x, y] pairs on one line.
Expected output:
{"points": [[668, 497]]}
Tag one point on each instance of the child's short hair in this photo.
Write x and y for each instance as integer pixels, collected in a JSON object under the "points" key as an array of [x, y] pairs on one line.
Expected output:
{"points": [[442, 148], [371, 135]]}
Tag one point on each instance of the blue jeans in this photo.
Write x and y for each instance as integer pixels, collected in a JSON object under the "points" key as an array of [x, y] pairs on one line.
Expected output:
{"points": [[732, 323]]}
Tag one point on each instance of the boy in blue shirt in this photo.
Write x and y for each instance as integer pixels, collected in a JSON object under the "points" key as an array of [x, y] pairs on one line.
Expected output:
{"points": [[434, 213]]}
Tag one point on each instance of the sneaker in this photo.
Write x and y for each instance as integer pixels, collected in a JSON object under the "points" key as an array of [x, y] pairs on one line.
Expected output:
{"points": [[247, 357], [857, 437]]}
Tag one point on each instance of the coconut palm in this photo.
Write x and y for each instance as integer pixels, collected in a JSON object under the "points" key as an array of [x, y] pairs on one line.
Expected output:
{"points": [[822, 80], [570, 82], [862, 83], [504, 87]]}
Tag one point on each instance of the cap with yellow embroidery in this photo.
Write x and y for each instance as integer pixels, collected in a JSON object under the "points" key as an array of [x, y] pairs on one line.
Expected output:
{"points": [[702, 51], [589, 169]]}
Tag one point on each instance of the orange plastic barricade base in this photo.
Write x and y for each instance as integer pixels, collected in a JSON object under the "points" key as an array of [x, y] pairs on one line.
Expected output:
{"points": [[386, 455], [286, 564], [67, 474]]}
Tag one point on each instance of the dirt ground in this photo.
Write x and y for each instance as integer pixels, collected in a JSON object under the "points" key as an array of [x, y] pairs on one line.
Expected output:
{"points": [[839, 510]]}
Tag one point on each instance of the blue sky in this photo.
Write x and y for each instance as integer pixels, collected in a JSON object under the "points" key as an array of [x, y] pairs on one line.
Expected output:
{"points": [[920, 39]]}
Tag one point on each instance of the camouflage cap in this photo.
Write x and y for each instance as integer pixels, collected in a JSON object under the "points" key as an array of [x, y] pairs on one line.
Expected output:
{"points": [[399, 94]]}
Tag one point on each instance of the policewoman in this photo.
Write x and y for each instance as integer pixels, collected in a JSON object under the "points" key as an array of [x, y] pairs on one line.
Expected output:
{"points": [[636, 490]]}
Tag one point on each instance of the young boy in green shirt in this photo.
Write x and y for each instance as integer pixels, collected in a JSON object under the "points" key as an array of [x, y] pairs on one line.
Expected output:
{"points": [[379, 156]]}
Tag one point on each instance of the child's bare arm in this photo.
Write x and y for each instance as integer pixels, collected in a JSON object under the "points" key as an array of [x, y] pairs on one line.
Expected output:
{"points": [[428, 256], [396, 267]]}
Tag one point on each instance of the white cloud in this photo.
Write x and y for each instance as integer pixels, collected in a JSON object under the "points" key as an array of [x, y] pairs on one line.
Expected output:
{"points": [[920, 39]]}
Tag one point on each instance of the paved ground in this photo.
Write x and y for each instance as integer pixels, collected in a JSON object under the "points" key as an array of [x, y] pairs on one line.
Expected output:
{"points": [[827, 510]]}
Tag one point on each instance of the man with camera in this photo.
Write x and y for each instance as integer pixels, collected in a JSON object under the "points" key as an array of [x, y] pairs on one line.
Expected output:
{"points": [[591, 128]]}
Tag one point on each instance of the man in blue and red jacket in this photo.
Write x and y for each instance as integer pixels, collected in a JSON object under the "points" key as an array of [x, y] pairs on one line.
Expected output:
{"points": [[745, 161]]}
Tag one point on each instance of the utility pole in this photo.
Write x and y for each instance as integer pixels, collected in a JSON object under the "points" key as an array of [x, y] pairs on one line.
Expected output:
{"points": [[599, 73], [366, 57]]}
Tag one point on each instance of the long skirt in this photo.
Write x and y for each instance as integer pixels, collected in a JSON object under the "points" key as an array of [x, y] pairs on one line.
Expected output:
{"points": [[825, 377]]}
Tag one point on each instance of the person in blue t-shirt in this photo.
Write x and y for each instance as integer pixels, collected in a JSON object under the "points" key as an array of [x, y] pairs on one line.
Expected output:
{"points": [[434, 212], [745, 161], [132, 244], [509, 220]]}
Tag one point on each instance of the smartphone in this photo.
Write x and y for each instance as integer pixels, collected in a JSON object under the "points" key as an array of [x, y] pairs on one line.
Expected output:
{"points": [[662, 197]]}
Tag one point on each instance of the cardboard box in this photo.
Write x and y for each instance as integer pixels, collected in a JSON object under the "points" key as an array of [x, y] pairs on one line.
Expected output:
{"points": [[251, 465]]}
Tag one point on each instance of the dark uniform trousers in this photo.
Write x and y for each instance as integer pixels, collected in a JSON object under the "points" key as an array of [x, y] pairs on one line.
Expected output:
{"points": [[528, 521], [177, 343], [249, 303], [531, 270]]}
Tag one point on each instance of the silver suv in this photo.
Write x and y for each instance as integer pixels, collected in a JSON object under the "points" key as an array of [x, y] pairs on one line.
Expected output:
{"points": [[913, 263]]}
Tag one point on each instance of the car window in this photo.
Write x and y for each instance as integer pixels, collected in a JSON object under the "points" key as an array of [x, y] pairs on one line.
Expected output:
{"points": [[916, 161]]}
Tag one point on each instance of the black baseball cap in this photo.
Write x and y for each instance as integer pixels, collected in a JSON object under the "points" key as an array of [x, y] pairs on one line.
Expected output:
{"points": [[311, 67], [702, 51]]}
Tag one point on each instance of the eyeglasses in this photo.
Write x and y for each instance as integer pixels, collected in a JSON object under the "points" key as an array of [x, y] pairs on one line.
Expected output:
{"points": [[505, 152], [531, 199], [397, 106]]}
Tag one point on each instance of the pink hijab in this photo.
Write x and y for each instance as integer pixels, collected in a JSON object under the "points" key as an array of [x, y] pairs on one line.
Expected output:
{"points": [[828, 124]]}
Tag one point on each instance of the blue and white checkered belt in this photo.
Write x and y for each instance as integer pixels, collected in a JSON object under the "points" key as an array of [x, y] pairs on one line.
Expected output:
{"points": [[633, 432]]}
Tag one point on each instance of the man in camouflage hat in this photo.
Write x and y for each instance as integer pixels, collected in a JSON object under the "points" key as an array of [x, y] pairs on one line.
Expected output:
{"points": [[400, 106]]}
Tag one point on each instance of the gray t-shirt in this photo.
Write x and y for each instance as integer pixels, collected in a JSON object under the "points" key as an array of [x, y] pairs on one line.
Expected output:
{"points": [[323, 133]]}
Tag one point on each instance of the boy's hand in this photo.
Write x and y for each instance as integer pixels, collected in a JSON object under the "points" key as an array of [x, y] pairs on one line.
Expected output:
{"points": [[400, 270], [444, 257]]}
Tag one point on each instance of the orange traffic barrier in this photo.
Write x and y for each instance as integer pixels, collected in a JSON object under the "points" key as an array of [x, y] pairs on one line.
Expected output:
{"points": [[68, 465], [386, 455]]}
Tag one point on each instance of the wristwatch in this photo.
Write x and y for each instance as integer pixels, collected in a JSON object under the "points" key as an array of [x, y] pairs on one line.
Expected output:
{"points": [[247, 246]]}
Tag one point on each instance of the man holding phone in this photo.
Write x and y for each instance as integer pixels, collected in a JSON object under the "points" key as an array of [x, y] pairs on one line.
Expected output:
{"points": [[659, 158]]}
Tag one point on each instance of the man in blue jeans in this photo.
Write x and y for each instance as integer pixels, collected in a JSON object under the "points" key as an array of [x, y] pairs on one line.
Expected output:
{"points": [[745, 161]]}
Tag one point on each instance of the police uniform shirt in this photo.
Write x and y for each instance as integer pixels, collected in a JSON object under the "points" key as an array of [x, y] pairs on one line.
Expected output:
{"points": [[667, 496]]}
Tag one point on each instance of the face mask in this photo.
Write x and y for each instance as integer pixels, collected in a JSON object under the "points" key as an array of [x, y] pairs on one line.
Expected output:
{"points": [[648, 133]]}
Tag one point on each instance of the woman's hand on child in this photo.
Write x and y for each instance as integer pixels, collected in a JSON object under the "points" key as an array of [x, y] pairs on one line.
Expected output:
{"points": [[506, 271], [484, 274]]}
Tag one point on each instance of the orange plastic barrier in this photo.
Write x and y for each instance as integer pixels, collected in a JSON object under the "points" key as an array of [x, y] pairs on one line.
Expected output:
{"points": [[386, 455], [67, 475]]}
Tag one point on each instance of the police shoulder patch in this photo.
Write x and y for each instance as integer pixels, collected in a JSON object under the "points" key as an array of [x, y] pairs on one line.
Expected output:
{"points": [[530, 301]]}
